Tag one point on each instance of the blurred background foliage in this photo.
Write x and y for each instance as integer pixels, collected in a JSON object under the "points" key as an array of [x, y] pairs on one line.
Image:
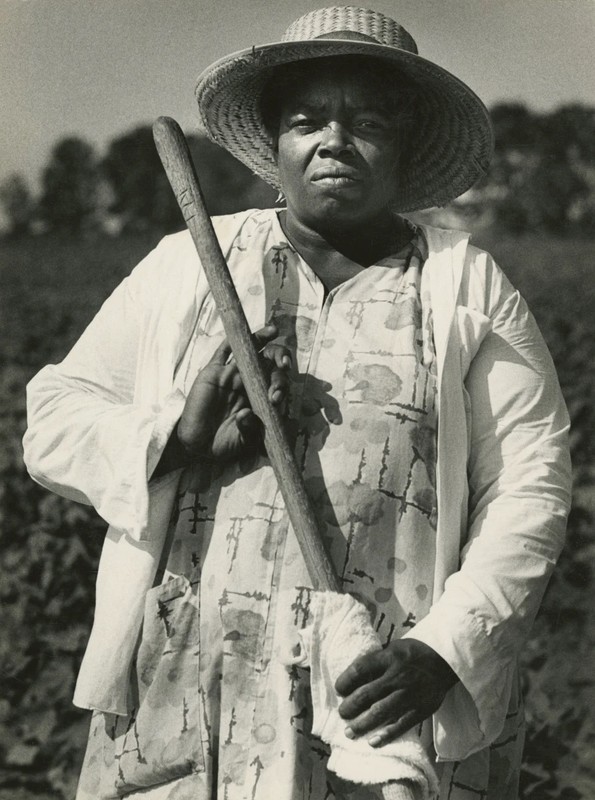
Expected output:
{"points": [[63, 253]]}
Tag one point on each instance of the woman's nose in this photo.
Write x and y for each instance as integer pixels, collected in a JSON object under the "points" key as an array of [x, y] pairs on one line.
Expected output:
{"points": [[336, 138]]}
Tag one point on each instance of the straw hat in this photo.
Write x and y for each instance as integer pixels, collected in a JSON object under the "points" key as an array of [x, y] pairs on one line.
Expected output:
{"points": [[453, 138]]}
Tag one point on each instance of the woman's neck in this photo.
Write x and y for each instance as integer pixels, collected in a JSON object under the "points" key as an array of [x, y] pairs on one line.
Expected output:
{"points": [[363, 245]]}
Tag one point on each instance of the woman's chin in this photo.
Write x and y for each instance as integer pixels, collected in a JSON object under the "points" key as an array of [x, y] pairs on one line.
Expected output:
{"points": [[350, 213], [337, 202]]}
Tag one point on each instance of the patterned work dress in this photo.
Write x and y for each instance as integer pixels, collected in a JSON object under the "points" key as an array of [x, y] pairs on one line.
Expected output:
{"points": [[217, 714]]}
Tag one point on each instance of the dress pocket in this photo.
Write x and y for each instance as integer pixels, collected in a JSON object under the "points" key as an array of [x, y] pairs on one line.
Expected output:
{"points": [[161, 739]]}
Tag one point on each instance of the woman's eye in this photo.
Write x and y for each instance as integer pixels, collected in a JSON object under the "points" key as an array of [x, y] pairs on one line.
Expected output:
{"points": [[369, 125], [305, 124]]}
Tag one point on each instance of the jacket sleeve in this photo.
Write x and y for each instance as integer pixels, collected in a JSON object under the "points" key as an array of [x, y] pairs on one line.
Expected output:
{"points": [[96, 422], [519, 479]]}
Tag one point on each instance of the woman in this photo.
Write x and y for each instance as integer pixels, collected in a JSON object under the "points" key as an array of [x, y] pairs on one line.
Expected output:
{"points": [[426, 416]]}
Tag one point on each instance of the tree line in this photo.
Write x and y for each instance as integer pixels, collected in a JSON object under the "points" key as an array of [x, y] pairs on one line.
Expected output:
{"points": [[126, 189], [542, 177]]}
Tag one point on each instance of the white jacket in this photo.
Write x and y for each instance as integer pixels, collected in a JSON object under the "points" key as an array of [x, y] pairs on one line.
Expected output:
{"points": [[99, 421]]}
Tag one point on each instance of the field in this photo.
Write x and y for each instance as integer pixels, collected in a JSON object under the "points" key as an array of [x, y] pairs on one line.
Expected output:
{"points": [[51, 288]]}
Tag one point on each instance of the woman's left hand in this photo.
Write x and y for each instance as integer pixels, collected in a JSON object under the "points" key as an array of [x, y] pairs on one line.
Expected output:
{"points": [[390, 691]]}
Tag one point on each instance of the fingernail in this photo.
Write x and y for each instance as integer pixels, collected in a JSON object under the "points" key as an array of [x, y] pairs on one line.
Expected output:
{"points": [[277, 396], [374, 741], [349, 732], [286, 361]]}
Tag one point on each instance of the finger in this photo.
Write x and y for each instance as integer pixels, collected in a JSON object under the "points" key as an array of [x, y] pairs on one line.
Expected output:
{"points": [[245, 418], [278, 354], [273, 352], [279, 387], [332, 410], [265, 335], [222, 354], [388, 733], [249, 426], [277, 397], [361, 671], [363, 698], [387, 711], [221, 378]]}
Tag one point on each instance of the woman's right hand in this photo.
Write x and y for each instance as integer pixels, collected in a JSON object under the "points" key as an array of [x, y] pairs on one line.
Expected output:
{"points": [[217, 423]]}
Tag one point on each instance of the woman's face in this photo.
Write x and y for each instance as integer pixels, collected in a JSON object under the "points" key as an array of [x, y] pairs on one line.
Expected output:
{"points": [[337, 150]]}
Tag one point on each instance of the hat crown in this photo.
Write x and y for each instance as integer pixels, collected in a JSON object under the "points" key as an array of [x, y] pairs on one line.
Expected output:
{"points": [[344, 22]]}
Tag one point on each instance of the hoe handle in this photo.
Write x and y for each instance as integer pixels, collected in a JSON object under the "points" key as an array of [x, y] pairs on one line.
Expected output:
{"points": [[175, 156]]}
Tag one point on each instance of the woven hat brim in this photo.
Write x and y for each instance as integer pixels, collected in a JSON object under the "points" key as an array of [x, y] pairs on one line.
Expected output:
{"points": [[453, 132]]}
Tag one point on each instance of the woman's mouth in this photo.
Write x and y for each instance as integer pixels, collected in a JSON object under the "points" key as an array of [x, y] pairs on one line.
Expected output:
{"points": [[335, 176]]}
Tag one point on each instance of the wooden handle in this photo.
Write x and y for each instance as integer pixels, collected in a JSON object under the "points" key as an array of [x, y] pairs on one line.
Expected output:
{"points": [[177, 162]]}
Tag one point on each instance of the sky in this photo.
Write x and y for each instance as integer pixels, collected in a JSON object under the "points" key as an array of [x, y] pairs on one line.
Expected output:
{"points": [[98, 68]]}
